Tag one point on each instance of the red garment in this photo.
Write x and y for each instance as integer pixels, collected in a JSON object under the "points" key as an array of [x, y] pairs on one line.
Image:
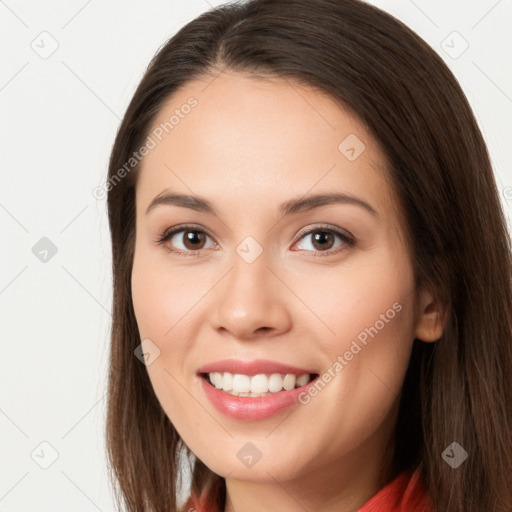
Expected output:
{"points": [[406, 493]]}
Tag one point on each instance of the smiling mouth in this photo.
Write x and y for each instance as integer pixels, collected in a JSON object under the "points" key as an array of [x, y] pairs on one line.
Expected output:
{"points": [[256, 385]]}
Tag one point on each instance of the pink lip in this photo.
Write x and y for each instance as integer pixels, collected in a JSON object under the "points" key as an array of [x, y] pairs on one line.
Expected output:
{"points": [[252, 367], [251, 408]]}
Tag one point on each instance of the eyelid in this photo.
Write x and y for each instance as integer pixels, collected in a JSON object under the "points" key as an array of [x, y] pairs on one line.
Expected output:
{"points": [[180, 227], [326, 227]]}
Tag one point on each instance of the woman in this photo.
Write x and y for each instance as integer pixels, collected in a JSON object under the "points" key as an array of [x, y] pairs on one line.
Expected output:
{"points": [[312, 273]]}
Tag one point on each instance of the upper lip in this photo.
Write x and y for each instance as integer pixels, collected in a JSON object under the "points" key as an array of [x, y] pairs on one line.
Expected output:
{"points": [[253, 367]]}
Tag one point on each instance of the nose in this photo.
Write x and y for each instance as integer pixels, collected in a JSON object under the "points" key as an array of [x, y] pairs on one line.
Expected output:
{"points": [[251, 301]]}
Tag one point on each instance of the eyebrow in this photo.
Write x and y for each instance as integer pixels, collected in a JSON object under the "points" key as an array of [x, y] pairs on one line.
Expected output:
{"points": [[291, 206]]}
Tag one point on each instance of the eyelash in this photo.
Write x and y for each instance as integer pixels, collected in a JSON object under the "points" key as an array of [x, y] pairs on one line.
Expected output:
{"points": [[169, 233]]}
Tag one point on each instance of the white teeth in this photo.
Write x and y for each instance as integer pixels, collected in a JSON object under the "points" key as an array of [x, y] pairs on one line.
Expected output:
{"points": [[217, 379], [227, 381], [257, 385], [275, 383], [302, 380], [289, 382], [241, 383]]}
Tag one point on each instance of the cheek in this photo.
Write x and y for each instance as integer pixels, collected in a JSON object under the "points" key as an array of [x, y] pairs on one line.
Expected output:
{"points": [[162, 295], [368, 325], [371, 316], [165, 302], [161, 301], [369, 299]]}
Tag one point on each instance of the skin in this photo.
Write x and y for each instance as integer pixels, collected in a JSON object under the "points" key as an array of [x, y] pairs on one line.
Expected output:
{"points": [[249, 145]]}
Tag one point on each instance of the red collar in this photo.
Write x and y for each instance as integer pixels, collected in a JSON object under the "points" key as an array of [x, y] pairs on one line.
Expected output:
{"points": [[406, 493]]}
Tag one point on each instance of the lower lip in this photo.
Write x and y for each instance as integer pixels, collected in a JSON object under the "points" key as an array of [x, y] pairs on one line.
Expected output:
{"points": [[252, 408]]}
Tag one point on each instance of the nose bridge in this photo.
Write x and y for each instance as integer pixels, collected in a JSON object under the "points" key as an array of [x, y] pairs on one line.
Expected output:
{"points": [[250, 261], [249, 282], [250, 296]]}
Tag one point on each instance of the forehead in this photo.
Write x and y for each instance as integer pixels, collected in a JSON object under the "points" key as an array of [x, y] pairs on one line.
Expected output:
{"points": [[236, 134]]}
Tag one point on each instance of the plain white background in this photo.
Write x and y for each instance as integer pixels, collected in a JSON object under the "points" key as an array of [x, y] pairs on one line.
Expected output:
{"points": [[59, 116]]}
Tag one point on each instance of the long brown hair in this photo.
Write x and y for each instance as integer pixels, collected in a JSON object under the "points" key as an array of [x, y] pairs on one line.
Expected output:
{"points": [[458, 389]]}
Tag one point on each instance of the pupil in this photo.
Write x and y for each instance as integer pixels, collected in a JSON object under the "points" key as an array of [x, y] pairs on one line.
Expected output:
{"points": [[193, 237], [320, 238]]}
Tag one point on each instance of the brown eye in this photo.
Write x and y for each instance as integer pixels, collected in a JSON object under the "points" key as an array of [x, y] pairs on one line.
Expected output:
{"points": [[193, 239], [323, 241], [185, 240]]}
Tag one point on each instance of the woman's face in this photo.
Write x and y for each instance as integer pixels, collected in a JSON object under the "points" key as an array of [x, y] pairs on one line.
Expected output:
{"points": [[325, 287]]}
